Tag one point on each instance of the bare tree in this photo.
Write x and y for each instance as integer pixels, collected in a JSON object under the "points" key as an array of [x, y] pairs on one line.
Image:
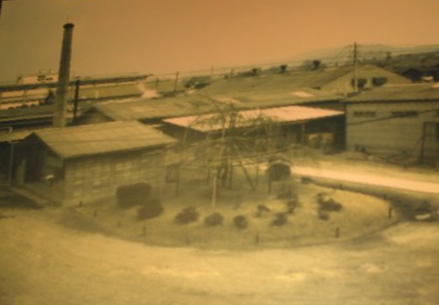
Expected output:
{"points": [[235, 138]]}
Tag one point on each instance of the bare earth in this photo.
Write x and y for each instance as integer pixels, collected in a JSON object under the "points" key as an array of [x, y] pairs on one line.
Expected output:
{"points": [[51, 256], [44, 262]]}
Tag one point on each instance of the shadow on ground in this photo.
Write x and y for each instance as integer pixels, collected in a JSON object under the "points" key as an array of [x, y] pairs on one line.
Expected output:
{"points": [[12, 201]]}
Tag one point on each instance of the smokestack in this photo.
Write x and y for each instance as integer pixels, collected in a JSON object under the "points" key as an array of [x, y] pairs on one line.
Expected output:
{"points": [[60, 113]]}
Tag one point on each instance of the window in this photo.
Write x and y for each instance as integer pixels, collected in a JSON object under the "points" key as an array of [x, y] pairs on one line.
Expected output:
{"points": [[405, 114], [364, 114], [361, 82], [379, 81]]}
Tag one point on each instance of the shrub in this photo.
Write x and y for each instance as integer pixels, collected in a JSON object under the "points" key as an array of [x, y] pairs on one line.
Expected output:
{"points": [[187, 215], [132, 195], [152, 208], [240, 222], [214, 219], [280, 220], [261, 209], [330, 205]]}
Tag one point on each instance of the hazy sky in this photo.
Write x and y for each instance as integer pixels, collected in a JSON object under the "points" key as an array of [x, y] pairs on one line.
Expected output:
{"points": [[156, 36]]}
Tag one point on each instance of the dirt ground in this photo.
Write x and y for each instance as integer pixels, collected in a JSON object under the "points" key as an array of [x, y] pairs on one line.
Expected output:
{"points": [[57, 256], [45, 259]]}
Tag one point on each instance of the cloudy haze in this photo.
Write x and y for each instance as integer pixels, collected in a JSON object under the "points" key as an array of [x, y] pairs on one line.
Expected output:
{"points": [[173, 35]]}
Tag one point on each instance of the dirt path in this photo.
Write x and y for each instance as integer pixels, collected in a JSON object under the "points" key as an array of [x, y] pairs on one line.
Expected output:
{"points": [[369, 179], [43, 262]]}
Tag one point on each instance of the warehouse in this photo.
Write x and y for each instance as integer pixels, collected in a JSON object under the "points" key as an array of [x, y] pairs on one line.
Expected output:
{"points": [[335, 80], [395, 121], [74, 164]]}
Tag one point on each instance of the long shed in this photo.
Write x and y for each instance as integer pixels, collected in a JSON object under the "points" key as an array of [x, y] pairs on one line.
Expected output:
{"points": [[83, 163]]}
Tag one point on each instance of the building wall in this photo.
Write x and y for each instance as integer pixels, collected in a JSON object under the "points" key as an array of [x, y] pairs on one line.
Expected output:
{"points": [[430, 147], [96, 177], [343, 85], [371, 126]]}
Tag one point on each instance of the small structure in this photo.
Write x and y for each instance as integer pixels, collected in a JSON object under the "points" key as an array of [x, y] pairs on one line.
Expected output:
{"points": [[73, 164], [395, 120]]}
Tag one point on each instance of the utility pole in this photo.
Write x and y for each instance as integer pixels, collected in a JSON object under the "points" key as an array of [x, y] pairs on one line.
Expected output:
{"points": [[176, 81], [355, 67], [11, 163], [76, 100]]}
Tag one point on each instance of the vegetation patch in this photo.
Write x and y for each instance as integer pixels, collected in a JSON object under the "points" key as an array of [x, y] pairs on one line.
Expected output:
{"points": [[280, 219], [187, 215], [240, 221], [328, 204], [215, 219], [150, 209]]}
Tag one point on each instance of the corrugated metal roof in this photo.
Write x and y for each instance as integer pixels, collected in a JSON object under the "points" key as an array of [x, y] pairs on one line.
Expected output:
{"points": [[291, 81], [143, 109], [398, 93], [14, 135], [299, 96], [73, 142], [211, 122], [281, 82]]}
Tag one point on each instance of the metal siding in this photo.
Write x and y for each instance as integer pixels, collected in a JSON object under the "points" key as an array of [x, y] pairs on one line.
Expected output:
{"points": [[99, 177], [391, 136]]}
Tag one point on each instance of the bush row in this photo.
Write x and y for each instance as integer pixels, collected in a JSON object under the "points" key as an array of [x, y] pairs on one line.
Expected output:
{"points": [[189, 215]]}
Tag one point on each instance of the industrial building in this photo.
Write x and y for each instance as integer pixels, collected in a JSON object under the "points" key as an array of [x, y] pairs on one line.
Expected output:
{"points": [[395, 120], [83, 163], [153, 111], [93, 88], [331, 80]]}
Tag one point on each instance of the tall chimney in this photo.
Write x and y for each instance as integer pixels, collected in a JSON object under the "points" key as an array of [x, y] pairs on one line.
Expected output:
{"points": [[60, 113]]}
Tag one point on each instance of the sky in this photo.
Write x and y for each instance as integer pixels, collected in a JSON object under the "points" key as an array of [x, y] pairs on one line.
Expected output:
{"points": [[165, 36]]}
